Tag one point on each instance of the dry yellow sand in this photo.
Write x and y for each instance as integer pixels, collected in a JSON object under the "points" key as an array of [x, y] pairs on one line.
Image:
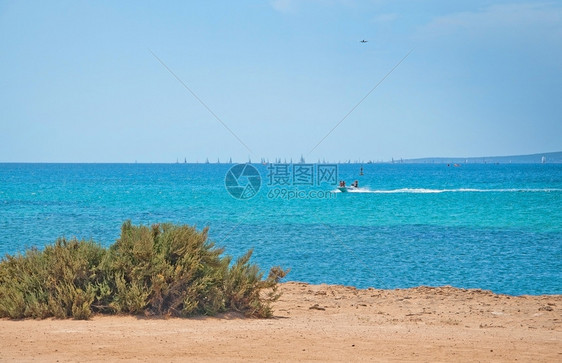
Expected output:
{"points": [[314, 323]]}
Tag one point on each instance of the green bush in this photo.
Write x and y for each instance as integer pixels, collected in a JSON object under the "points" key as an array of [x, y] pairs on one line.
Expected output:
{"points": [[167, 269]]}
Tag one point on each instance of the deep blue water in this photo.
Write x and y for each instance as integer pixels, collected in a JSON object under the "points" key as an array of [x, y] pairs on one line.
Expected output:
{"points": [[495, 227]]}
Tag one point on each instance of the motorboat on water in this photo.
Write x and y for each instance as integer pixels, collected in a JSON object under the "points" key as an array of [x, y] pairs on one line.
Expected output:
{"points": [[345, 188]]}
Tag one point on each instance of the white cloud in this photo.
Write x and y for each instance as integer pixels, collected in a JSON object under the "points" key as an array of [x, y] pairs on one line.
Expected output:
{"points": [[283, 6], [516, 19]]}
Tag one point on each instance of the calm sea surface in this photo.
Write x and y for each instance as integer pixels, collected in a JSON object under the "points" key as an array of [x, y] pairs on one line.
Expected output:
{"points": [[495, 227]]}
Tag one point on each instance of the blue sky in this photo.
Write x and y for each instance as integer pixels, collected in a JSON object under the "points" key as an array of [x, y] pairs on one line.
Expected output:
{"points": [[78, 82]]}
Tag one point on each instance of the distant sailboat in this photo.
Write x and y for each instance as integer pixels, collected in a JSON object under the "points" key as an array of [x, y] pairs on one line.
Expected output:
{"points": [[543, 160]]}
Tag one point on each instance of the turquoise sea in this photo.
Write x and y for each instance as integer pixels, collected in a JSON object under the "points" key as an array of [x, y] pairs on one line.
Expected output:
{"points": [[488, 226]]}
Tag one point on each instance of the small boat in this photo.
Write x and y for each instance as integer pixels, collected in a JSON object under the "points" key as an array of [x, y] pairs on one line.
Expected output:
{"points": [[344, 188], [347, 189]]}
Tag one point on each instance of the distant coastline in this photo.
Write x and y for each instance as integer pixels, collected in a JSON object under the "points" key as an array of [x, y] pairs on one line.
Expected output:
{"points": [[541, 158]]}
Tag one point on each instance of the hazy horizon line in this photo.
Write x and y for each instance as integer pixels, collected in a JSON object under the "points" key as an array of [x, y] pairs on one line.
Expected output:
{"points": [[288, 160]]}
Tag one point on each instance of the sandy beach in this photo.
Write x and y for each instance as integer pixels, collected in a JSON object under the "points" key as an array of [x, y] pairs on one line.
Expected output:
{"points": [[314, 323]]}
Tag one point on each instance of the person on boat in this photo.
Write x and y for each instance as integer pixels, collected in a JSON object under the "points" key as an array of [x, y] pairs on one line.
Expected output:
{"points": [[355, 184]]}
